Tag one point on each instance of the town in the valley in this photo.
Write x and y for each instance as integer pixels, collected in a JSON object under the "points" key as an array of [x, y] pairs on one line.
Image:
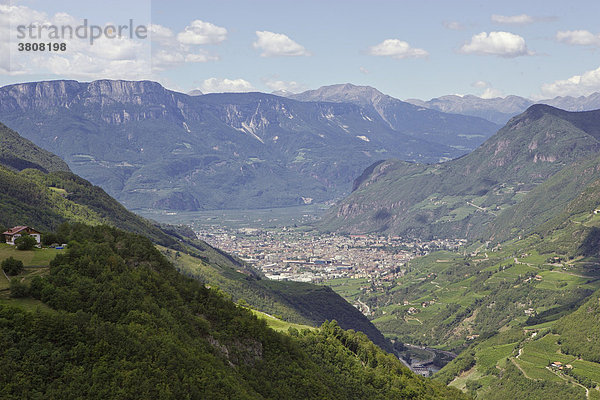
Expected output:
{"points": [[289, 254]]}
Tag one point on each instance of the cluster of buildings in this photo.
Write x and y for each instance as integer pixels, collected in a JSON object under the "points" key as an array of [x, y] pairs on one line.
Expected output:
{"points": [[288, 254]]}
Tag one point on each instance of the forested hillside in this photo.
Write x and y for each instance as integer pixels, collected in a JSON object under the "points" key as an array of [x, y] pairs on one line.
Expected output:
{"points": [[460, 198], [121, 322]]}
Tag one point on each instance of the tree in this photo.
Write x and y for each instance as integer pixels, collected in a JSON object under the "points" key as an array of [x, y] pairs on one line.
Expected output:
{"points": [[50, 238], [18, 289], [12, 266], [25, 242]]}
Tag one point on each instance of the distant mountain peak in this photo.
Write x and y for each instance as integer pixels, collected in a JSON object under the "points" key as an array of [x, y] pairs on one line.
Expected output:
{"points": [[542, 109], [349, 87], [400, 198], [340, 93]]}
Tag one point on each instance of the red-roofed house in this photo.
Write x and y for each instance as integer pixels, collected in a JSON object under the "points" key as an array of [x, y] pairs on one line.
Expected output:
{"points": [[13, 233]]}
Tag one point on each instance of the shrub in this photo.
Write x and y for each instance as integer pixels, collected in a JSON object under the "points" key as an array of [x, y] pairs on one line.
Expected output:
{"points": [[50, 238], [12, 266], [18, 289], [25, 242]]}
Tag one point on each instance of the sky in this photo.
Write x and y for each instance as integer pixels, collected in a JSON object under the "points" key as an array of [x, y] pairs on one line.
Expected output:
{"points": [[407, 49]]}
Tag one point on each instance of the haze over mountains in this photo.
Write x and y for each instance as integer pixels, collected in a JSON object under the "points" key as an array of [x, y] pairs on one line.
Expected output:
{"points": [[154, 148]]}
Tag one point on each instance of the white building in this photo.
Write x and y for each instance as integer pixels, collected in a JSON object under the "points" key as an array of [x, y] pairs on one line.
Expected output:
{"points": [[18, 231]]}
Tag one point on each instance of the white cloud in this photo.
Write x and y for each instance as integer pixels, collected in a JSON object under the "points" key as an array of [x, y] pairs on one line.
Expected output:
{"points": [[200, 57], [522, 19], [364, 70], [502, 44], [577, 85], [165, 58], [169, 52], [162, 35], [289, 86], [453, 25], [579, 37], [11, 15], [83, 66], [491, 93], [480, 84], [115, 58], [277, 44], [218, 85], [200, 32], [396, 49]]}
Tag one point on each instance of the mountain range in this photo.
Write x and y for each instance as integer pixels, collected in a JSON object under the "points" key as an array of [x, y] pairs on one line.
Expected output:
{"points": [[500, 109], [518, 302], [150, 147], [459, 198], [446, 128]]}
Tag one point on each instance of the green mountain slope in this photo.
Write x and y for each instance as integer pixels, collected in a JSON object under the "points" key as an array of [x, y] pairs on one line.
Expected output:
{"points": [[121, 322], [561, 358], [510, 309], [296, 302], [47, 200], [459, 197], [549, 204], [19, 153]]}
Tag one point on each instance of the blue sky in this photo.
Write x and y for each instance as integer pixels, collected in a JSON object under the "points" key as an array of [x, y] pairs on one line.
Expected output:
{"points": [[407, 49]]}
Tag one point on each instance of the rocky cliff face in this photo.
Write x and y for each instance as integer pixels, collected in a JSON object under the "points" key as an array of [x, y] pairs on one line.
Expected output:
{"points": [[113, 99]]}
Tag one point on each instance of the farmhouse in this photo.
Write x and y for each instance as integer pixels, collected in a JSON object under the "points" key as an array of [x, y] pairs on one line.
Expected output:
{"points": [[557, 364], [14, 233]]}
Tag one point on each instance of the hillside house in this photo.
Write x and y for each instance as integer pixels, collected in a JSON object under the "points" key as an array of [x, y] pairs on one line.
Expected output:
{"points": [[557, 364], [17, 231]]}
